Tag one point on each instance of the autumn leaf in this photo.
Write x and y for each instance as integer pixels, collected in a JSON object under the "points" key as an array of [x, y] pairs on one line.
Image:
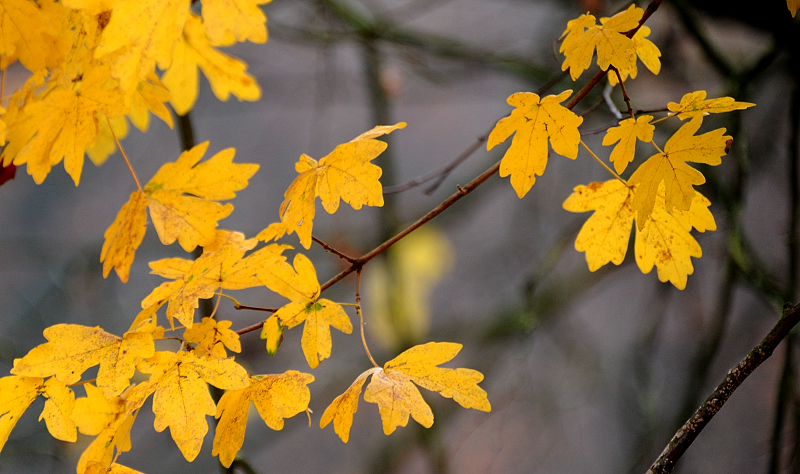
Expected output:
{"points": [[16, 395], [239, 20], [393, 389], [647, 52], [109, 421], [343, 407], [57, 412], [201, 278], [272, 332], [181, 400], [28, 33], [212, 337], [532, 122], [626, 134], [605, 235], [671, 168], [62, 125], [345, 174], [124, 236], [694, 105], [582, 36], [300, 285], [793, 5], [665, 241], [275, 396], [72, 349], [182, 195], [227, 75], [145, 42]]}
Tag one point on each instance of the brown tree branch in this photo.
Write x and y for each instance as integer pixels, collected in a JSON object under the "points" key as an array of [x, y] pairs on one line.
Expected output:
{"points": [[686, 435]]}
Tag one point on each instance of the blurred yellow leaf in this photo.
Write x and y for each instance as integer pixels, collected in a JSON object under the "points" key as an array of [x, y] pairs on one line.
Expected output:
{"points": [[227, 75], [124, 236], [241, 20], [275, 396], [532, 122], [272, 332]]}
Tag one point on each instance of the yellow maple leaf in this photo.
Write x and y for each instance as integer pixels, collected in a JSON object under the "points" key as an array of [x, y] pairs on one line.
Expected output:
{"points": [[272, 333], [181, 400], [199, 279], [241, 20], [582, 36], [150, 96], [28, 33], [57, 412], [672, 169], [605, 235], [345, 174], [182, 195], [626, 134], [113, 438], [72, 348], [532, 122], [212, 337], [343, 407], [104, 143], [300, 285], [275, 396], [226, 75], [665, 241], [392, 389], [61, 126], [124, 236], [94, 412], [145, 42], [694, 105], [16, 395], [647, 52], [793, 5]]}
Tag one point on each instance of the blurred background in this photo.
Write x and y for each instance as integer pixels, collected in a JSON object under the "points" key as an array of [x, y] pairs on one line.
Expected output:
{"points": [[586, 372]]}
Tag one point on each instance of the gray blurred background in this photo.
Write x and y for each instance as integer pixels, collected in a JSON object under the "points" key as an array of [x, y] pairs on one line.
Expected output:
{"points": [[586, 372]]}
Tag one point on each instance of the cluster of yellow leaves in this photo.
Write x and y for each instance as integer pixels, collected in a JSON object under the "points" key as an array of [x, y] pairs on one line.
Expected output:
{"points": [[178, 382], [393, 389], [92, 66], [659, 195], [615, 48], [345, 174]]}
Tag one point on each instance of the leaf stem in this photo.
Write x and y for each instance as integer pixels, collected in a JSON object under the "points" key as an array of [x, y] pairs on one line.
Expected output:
{"points": [[657, 148], [124, 156], [586, 147], [333, 250], [2, 86], [361, 317]]}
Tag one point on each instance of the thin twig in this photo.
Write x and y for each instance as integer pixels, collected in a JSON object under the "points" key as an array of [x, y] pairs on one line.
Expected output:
{"points": [[361, 317], [612, 107], [684, 437], [332, 250], [440, 173], [124, 156], [624, 92]]}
